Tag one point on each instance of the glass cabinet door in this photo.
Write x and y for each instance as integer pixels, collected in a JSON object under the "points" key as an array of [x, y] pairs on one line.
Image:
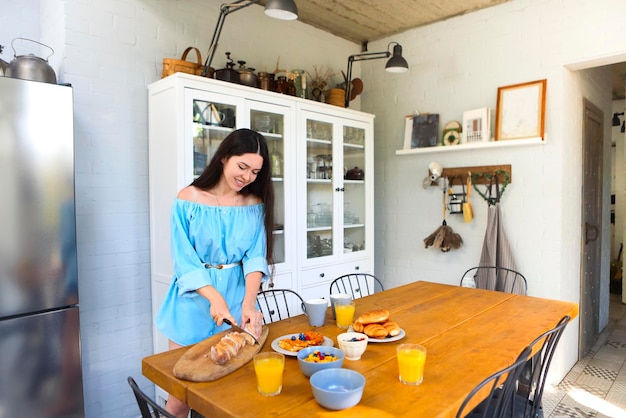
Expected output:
{"points": [[354, 175], [336, 185], [214, 117], [270, 122], [319, 187]]}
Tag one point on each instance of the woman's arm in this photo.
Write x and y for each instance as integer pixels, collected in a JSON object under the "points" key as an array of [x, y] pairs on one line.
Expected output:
{"points": [[250, 317]]}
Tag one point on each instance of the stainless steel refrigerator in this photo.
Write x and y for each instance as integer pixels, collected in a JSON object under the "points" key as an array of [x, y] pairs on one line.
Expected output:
{"points": [[40, 360]]}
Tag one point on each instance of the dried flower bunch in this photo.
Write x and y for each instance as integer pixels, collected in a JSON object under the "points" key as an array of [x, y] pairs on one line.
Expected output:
{"points": [[322, 77]]}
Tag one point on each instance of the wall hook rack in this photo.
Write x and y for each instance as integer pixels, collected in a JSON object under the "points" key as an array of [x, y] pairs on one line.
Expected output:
{"points": [[480, 174], [498, 176]]}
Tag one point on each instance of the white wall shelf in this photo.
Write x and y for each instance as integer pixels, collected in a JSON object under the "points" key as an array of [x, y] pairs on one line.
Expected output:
{"points": [[473, 145]]}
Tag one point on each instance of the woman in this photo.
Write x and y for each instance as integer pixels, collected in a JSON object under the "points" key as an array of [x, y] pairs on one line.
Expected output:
{"points": [[221, 246]]}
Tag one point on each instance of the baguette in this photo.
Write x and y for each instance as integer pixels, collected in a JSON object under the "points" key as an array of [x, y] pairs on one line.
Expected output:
{"points": [[228, 347], [375, 331], [392, 328], [374, 316]]}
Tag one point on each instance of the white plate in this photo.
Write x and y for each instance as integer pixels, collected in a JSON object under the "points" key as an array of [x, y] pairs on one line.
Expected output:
{"points": [[387, 339], [327, 342]]}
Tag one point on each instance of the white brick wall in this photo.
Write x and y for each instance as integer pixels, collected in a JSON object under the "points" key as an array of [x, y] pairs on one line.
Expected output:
{"points": [[457, 65], [110, 50]]}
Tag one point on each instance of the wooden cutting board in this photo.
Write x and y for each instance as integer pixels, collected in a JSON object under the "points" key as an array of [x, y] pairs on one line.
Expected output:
{"points": [[196, 364]]}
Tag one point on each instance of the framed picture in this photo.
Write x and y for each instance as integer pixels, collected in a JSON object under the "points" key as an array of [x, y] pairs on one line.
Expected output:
{"points": [[521, 110], [421, 130], [476, 125]]}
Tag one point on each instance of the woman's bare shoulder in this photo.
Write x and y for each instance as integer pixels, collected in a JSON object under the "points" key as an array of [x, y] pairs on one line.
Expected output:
{"points": [[252, 199], [188, 193]]}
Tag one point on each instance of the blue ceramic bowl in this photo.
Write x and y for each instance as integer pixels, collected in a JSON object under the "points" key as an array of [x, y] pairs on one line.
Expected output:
{"points": [[337, 388], [308, 368]]}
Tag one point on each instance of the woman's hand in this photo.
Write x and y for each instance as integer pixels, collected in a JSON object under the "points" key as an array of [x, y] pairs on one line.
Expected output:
{"points": [[252, 320], [219, 307]]}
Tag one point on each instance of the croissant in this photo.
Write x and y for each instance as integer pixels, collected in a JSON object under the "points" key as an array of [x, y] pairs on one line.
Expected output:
{"points": [[358, 326], [375, 331], [374, 316], [392, 328], [229, 346]]}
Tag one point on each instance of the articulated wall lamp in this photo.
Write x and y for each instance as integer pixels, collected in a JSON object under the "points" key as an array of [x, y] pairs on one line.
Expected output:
{"points": [[617, 122], [396, 64], [278, 9]]}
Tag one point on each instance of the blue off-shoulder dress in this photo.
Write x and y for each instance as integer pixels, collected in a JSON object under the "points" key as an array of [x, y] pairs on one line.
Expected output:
{"points": [[212, 235]]}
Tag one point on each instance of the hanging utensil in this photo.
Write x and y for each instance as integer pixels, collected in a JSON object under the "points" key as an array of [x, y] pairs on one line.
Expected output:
{"points": [[444, 237], [468, 211]]}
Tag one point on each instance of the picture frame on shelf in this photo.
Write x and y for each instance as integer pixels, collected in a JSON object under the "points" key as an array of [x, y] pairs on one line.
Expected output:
{"points": [[476, 125], [520, 111], [421, 130]]}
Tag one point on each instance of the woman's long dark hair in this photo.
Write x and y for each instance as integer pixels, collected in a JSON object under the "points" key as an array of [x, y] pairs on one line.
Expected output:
{"points": [[239, 142]]}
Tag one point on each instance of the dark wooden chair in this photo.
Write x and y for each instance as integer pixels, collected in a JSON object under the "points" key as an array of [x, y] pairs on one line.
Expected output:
{"points": [[356, 284], [147, 406], [501, 279], [277, 304], [501, 385]]}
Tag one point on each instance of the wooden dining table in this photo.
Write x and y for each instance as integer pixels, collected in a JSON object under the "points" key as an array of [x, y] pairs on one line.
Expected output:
{"points": [[468, 334]]}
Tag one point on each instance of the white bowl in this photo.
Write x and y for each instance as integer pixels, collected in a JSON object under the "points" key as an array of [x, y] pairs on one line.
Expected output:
{"points": [[353, 344]]}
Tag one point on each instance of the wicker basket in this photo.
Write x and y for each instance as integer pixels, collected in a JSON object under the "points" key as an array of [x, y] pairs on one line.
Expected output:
{"points": [[172, 65]]}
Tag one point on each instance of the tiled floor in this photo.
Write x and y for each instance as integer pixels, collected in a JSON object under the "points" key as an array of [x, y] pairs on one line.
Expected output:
{"points": [[596, 385]]}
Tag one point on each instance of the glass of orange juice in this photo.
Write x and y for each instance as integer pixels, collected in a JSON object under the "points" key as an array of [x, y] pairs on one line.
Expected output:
{"points": [[344, 311], [411, 359], [269, 367]]}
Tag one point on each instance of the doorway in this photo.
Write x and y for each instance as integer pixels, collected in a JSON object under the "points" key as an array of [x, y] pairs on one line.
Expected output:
{"points": [[592, 215]]}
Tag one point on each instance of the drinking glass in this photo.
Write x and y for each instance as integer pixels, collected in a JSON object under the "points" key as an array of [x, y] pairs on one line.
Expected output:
{"points": [[411, 359], [268, 367], [344, 311]]}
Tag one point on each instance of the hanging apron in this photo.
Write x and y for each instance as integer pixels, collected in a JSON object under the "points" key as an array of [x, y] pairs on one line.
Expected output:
{"points": [[496, 251]]}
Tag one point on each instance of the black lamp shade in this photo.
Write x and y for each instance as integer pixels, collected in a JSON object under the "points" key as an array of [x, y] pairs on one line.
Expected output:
{"points": [[281, 9], [397, 64], [616, 121]]}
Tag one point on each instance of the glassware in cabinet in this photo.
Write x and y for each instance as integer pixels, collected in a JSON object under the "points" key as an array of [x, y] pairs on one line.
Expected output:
{"points": [[354, 188], [270, 122], [212, 122], [319, 188]]}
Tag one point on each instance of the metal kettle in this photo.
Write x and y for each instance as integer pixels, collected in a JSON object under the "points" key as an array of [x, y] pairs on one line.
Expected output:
{"points": [[29, 67]]}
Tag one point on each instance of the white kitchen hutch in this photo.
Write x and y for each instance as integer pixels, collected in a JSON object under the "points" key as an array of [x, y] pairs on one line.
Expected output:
{"points": [[322, 168]]}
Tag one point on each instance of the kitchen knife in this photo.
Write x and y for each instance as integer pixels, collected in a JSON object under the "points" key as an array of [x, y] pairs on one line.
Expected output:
{"points": [[239, 329]]}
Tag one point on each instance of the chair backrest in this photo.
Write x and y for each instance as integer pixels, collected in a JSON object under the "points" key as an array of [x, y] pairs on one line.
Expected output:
{"points": [[501, 390], [501, 279], [356, 284], [533, 378], [147, 406], [278, 304]]}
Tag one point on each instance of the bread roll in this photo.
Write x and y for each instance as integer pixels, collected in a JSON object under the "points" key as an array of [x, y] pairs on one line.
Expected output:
{"points": [[375, 331], [392, 328], [374, 316], [358, 326], [228, 347]]}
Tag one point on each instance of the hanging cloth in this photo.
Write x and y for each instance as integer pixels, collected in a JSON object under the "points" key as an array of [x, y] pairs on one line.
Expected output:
{"points": [[496, 252]]}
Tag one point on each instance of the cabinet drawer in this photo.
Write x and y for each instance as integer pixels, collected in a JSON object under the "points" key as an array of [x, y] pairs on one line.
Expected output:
{"points": [[281, 281], [327, 274]]}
